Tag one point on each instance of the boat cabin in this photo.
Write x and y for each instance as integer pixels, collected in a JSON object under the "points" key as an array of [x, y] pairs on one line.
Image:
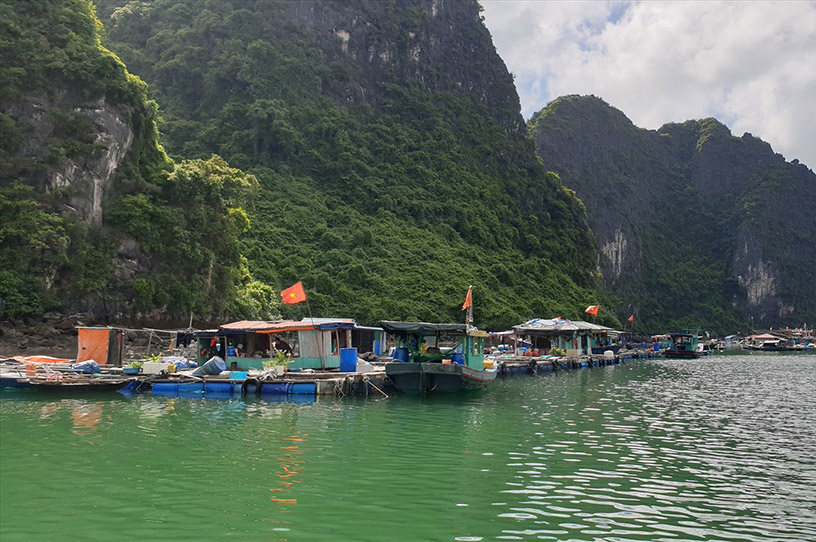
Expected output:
{"points": [[418, 342], [682, 344]]}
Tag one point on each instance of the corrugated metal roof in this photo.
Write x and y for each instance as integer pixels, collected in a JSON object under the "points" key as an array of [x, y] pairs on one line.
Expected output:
{"points": [[249, 325], [330, 320], [559, 325]]}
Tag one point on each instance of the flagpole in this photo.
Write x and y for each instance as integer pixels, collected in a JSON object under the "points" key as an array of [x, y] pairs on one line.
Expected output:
{"points": [[314, 333], [469, 317]]}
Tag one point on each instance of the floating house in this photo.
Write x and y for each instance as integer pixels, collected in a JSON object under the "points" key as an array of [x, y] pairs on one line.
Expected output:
{"points": [[312, 343], [576, 338]]}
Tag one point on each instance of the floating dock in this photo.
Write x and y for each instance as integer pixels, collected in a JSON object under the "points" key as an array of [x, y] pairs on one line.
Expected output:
{"points": [[512, 365], [303, 385]]}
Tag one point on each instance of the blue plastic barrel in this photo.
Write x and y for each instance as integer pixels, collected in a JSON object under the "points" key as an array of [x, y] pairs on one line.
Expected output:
{"points": [[190, 387], [165, 388], [458, 358], [218, 387], [377, 348], [275, 389], [213, 366], [400, 354], [348, 360], [306, 388]]}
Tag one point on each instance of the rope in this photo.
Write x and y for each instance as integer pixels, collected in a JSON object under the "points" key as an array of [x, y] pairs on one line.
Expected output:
{"points": [[368, 381]]}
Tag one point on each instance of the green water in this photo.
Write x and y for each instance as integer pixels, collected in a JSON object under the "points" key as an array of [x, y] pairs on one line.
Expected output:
{"points": [[717, 449]]}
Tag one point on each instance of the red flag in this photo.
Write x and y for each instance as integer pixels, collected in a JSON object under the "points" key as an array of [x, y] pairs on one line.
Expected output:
{"points": [[294, 294], [631, 318], [592, 309], [468, 299]]}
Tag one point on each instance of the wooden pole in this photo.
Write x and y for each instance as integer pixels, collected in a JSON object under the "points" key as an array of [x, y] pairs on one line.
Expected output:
{"points": [[318, 338]]}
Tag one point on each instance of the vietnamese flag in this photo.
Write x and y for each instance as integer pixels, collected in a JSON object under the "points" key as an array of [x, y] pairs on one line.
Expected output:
{"points": [[294, 294], [592, 309], [468, 299], [631, 318]]}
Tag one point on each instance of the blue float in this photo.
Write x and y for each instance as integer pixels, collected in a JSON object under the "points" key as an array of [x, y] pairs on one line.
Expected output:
{"points": [[275, 389], [308, 388]]}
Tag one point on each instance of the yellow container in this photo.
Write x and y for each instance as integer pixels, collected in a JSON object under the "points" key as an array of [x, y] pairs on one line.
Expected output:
{"points": [[171, 368], [488, 364]]}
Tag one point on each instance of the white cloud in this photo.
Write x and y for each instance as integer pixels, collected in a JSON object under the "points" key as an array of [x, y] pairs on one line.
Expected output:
{"points": [[752, 65]]}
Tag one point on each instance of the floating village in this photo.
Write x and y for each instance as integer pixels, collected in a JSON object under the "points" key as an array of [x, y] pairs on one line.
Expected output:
{"points": [[338, 357]]}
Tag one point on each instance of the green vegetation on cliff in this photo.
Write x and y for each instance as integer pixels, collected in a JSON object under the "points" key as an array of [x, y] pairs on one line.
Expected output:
{"points": [[696, 227], [93, 215], [386, 141]]}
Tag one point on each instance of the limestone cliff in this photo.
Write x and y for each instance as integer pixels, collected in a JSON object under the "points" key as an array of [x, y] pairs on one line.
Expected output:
{"points": [[90, 206], [696, 226]]}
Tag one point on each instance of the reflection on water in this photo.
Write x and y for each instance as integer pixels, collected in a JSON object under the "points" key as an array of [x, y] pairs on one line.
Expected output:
{"points": [[716, 449]]}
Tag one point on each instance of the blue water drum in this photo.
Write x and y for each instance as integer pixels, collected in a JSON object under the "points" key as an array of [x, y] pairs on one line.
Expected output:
{"points": [[165, 388], [190, 387], [305, 388], [400, 354], [348, 360], [218, 387], [458, 358], [213, 366], [377, 348], [275, 389]]}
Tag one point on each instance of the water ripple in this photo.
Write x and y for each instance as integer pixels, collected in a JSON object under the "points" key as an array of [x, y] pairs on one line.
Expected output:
{"points": [[718, 449]]}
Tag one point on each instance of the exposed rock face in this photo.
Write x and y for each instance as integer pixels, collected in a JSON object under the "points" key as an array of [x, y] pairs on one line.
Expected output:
{"points": [[690, 219], [83, 175], [760, 280], [112, 139], [615, 252], [437, 45]]}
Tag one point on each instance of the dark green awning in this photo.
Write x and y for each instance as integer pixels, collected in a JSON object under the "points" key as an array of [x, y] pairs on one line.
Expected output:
{"points": [[404, 328]]}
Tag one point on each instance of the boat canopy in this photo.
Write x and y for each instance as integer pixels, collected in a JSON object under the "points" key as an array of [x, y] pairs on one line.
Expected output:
{"points": [[405, 328]]}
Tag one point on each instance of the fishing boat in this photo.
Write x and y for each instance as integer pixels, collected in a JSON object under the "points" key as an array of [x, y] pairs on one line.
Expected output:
{"points": [[768, 343], [58, 381], [12, 375], [682, 345], [78, 384], [437, 358]]}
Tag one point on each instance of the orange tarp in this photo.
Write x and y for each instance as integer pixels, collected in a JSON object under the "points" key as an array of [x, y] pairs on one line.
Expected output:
{"points": [[93, 344], [40, 359]]}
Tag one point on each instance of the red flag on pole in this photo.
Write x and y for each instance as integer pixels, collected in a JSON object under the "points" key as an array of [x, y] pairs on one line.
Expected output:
{"points": [[468, 299], [592, 309], [294, 294], [631, 318]]}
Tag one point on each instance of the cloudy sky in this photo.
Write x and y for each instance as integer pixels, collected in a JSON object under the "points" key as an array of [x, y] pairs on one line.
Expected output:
{"points": [[752, 65]]}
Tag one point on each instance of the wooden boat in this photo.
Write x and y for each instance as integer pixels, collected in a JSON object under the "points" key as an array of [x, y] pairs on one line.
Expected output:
{"points": [[70, 386], [768, 343], [12, 376], [682, 346], [57, 381], [423, 364]]}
